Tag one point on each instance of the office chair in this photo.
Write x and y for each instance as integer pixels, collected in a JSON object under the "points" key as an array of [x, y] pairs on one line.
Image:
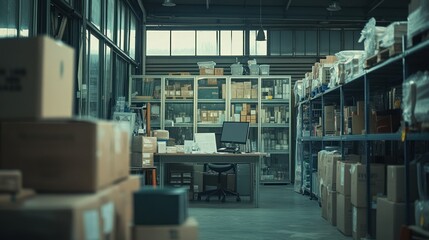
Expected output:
{"points": [[220, 191]]}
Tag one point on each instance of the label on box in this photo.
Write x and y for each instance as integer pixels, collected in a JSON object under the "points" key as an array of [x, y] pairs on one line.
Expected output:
{"points": [[108, 214], [91, 224]]}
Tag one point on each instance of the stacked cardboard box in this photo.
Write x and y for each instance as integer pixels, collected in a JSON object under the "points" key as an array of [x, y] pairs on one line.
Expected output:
{"points": [[245, 113], [391, 209], [143, 149], [211, 116], [359, 195], [240, 90], [79, 168], [179, 90]]}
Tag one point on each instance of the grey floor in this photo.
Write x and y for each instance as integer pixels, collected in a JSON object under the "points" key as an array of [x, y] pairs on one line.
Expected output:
{"points": [[283, 214]]}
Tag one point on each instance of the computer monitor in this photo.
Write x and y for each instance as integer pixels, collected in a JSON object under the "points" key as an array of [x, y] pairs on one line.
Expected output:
{"points": [[235, 132]]}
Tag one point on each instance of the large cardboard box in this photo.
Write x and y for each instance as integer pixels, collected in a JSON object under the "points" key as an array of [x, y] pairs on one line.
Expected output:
{"points": [[144, 144], [324, 201], [344, 177], [218, 71], [120, 151], [332, 207], [358, 124], [331, 170], [207, 71], [390, 218], [124, 206], [396, 183], [360, 224], [358, 181], [186, 231], [344, 214], [141, 159], [107, 211], [59, 156], [36, 78], [67, 217], [329, 118]]}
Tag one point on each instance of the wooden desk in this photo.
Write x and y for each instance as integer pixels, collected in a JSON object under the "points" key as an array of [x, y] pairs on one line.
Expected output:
{"points": [[253, 159]]}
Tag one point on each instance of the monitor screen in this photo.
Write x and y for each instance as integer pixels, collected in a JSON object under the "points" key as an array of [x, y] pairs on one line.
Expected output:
{"points": [[235, 132]]}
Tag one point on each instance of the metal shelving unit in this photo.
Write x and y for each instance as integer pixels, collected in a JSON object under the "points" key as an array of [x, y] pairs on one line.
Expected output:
{"points": [[388, 74], [278, 156]]}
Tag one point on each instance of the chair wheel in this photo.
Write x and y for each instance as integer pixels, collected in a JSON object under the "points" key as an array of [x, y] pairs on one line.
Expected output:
{"points": [[238, 199]]}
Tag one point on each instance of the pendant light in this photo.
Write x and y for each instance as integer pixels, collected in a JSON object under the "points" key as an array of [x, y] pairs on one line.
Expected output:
{"points": [[168, 3], [260, 36]]}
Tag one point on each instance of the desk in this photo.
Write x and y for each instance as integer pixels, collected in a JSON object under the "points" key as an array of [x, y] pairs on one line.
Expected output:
{"points": [[245, 158]]}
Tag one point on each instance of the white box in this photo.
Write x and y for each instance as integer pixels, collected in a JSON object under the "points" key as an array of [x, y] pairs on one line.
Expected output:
{"points": [[36, 78], [162, 147]]}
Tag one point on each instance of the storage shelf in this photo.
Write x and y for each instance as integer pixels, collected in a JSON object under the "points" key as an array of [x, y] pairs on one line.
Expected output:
{"points": [[275, 151], [180, 125], [418, 136], [278, 101], [145, 101], [275, 125], [207, 125], [274, 182], [179, 101], [211, 101], [239, 100]]}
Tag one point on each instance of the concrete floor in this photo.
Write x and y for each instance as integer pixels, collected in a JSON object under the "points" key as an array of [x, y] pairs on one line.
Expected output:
{"points": [[283, 214]]}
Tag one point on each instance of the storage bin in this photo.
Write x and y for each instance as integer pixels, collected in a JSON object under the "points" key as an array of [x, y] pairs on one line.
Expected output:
{"points": [[265, 69], [254, 69], [236, 69]]}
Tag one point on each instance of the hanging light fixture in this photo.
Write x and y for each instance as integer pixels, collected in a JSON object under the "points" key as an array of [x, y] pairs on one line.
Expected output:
{"points": [[168, 3], [260, 36]]}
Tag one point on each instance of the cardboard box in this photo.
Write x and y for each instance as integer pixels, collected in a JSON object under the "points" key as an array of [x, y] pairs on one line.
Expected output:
{"points": [[223, 91], [254, 93], [344, 178], [124, 206], [51, 154], [186, 231], [240, 93], [332, 207], [359, 223], [207, 71], [329, 118], [161, 134], [174, 202], [107, 212], [358, 124], [218, 71], [358, 181], [360, 107], [120, 151], [344, 214], [42, 70], [330, 162], [65, 217], [10, 181], [211, 81], [390, 218], [324, 201], [149, 144], [396, 183], [247, 93], [142, 159]]}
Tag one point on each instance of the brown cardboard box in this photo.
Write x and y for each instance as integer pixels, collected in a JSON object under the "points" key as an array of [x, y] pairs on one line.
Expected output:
{"points": [[344, 214], [10, 181], [360, 107], [358, 124], [344, 177], [359, 222], [59, 156], [240, 93], [142, 159], [211, 81], [223, 91], [233, 93], [107, 211], [218, 71], [396, 183], [161, 134], [243, 118], [120, 151], [124, 206], [254, 93], [247, 93], [144, 144], [42, 70], [332, 207], [68, 217], [358, 181], [329, 118], [324, 201], [187, 231], [207, 71], [331, 170], [390, 218], [247, 85]]}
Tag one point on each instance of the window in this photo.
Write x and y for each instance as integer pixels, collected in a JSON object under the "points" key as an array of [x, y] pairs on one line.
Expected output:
{"points": [[94, 76], [231, 43], [281, 43], [110, 19], [258, 48], [311, 43], [182, 43], [157, 43], [26, 18], [207, 43], [8, 25], [96, 13], [133, 36]]}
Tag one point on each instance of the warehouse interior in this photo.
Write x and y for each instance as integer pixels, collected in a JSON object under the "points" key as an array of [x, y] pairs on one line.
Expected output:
{"points": [[208, 119]]}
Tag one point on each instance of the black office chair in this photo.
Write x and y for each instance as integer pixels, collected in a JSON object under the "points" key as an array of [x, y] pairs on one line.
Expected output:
{"points": [[220, 191]]}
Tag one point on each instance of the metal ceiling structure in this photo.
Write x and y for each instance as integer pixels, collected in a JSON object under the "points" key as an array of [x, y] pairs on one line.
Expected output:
{"points": [[274, 12]]}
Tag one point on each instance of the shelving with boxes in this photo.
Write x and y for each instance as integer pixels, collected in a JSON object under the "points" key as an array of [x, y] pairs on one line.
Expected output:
{"points": [[372, 110], [264, 101]]}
